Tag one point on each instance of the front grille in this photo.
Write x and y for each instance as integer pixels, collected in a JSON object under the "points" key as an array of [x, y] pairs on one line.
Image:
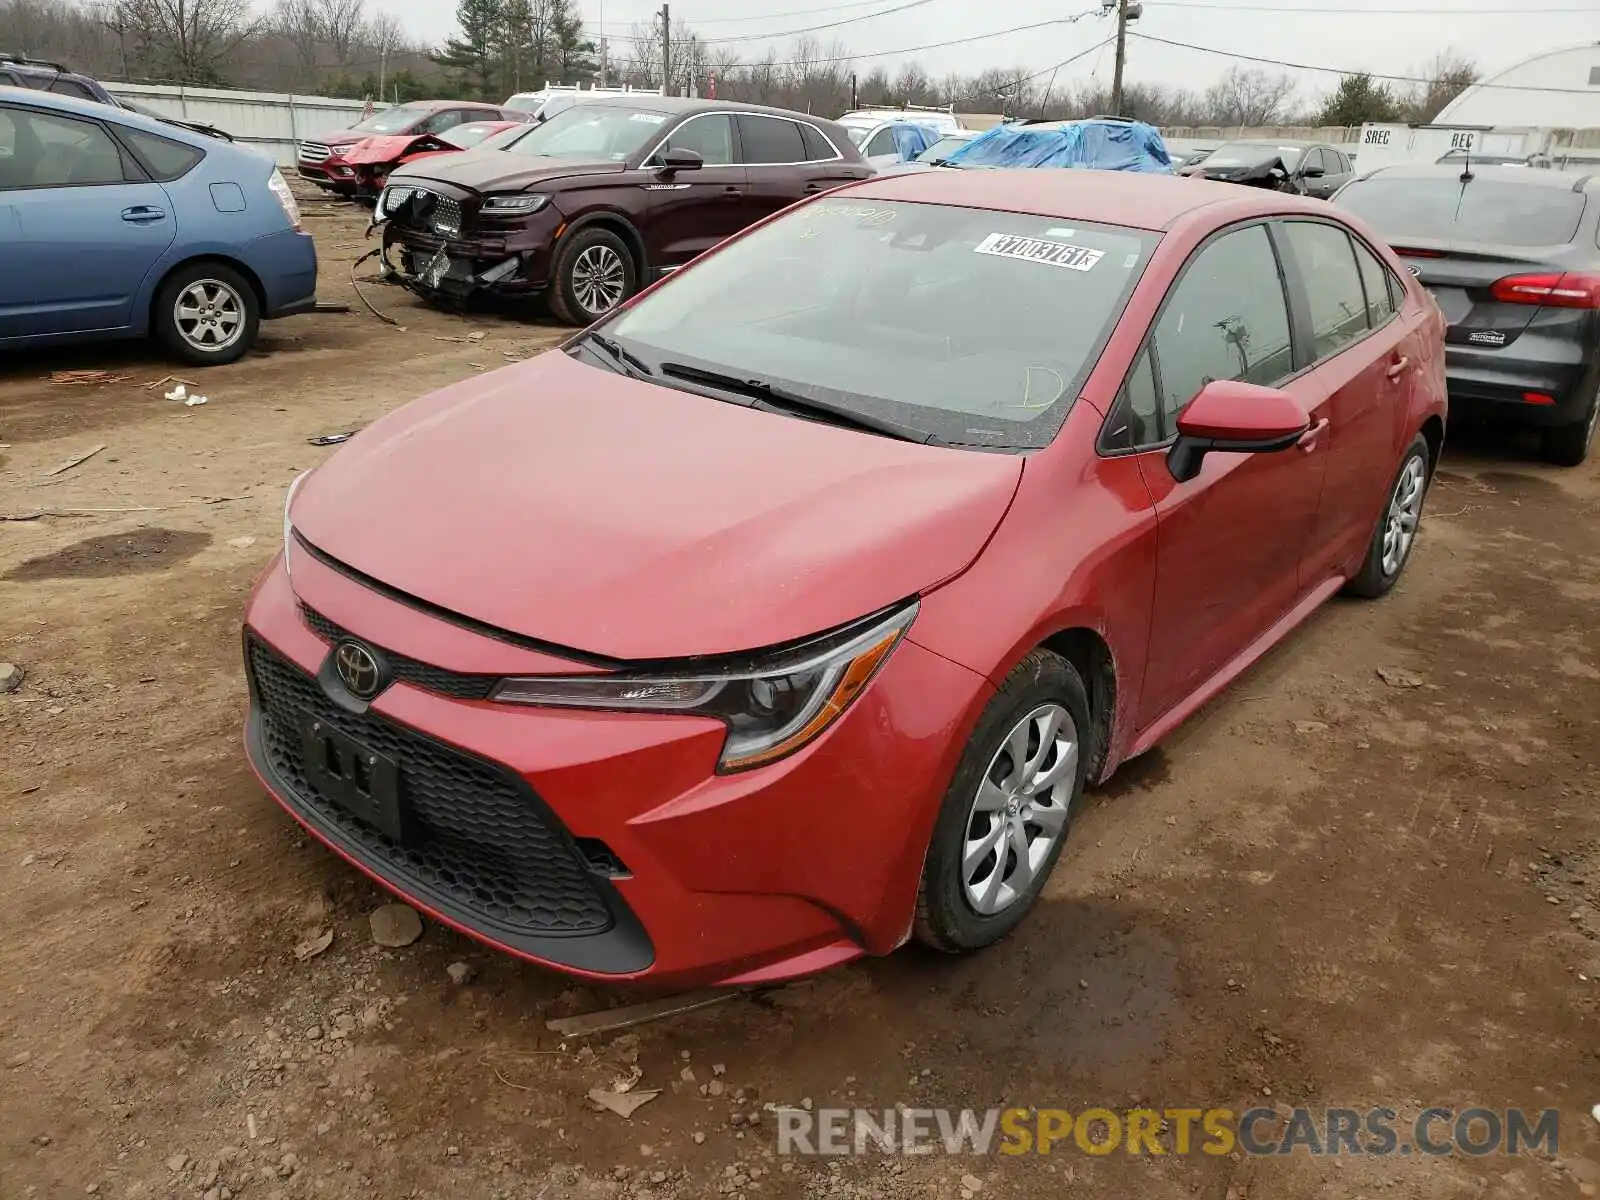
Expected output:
{"points": [[477, 838], [409, 670], [314, 152], [445, 217]]}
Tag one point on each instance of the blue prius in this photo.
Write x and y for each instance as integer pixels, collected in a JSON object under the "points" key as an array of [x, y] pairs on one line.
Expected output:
{"points": [[116, 225]]}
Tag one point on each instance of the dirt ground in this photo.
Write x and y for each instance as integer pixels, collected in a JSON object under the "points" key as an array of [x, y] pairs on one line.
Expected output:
{"points": [[1327, 890]]}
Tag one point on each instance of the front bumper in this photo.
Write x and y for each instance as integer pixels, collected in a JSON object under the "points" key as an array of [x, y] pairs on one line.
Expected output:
{"points": [[514, 263], [724, 879]]}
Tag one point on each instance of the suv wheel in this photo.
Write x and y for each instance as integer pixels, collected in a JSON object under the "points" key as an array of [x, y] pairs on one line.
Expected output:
{"points": [[594, 272], [207, 314]]}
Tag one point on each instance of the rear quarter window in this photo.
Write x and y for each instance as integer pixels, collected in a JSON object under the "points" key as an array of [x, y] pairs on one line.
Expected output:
{"points": [[165, 159], [1487, 211]]}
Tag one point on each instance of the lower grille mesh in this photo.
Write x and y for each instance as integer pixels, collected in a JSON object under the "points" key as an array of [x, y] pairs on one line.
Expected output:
{"points": [[480, 840]]}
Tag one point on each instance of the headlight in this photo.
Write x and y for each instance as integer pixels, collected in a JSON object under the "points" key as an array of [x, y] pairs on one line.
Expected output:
{"points": [[772, 707], [520, 202], [288, 526]]}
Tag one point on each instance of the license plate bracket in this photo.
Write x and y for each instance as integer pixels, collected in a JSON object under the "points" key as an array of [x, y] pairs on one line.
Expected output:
{"points": [[358, 779], [433, 274]]}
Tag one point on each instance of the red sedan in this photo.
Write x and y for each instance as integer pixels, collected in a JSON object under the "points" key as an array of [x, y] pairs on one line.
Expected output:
{"points": [[783, 616]]}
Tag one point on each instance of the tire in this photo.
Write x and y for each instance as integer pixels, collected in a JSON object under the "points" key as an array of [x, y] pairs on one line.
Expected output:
{"points": [[961, 910], [1568, 445], [594, 266], [214, 289], [1404, 500]]}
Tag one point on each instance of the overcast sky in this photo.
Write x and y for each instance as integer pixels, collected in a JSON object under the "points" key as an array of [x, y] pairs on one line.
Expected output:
{"points": [[1347, 34]]}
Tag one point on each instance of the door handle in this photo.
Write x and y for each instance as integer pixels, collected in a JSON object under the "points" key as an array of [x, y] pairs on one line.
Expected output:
{"points": [[732, 193], [816, 187], [1398, 368], [1308, 439], [143, 214]]}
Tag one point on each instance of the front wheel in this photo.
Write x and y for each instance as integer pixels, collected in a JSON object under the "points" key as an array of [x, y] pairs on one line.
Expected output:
{"points": [[594, 272], [207, 314], [1396, 534], [1006, 815]]}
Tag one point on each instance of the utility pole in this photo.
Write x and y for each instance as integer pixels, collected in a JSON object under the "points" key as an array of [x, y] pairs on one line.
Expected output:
{"points": [[666, 49], [1122, 58]]}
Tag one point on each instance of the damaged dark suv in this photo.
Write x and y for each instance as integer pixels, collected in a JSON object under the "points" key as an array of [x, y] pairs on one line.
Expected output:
{"points": [[603, 199]]}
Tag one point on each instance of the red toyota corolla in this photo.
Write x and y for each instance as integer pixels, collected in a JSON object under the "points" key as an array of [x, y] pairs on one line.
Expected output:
{"points": [[784, 615]]}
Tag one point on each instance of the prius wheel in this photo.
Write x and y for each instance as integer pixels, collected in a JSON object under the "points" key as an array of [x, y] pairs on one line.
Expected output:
{"points": [[1007, 813], [1398, 526], [207, 314], [594, 272], [1568, 445]]}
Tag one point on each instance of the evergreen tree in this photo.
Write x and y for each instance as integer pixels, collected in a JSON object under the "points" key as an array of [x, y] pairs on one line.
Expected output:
{"points": [[476, 53], [1357, 100]]}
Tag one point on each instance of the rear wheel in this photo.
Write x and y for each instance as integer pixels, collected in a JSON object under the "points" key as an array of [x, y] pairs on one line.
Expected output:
{"points": [[1396, 534], [207, 314], [594, 272], [1007, 812], [1568, 445]]}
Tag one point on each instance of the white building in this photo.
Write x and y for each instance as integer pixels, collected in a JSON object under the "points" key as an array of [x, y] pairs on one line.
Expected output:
{"points": [[1558, 89]]}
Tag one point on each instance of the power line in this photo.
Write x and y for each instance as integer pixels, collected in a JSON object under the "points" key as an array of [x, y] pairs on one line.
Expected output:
{"points": [[760, 37], [1290, 11], [1295, 66], [793, 12]]}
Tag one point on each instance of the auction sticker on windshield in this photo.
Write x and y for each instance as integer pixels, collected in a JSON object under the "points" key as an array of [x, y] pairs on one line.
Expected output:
{"points": [[1054, 254]]}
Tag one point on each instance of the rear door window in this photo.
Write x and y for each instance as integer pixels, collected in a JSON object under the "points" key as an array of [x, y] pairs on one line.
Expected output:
{"points": [[1333, 284], [1376, 281], [51, 150], [818, 148], [1499, 212], [165, 159], [770, 140]]}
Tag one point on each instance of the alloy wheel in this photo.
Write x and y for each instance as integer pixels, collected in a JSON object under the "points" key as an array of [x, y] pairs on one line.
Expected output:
{"points": [[598, 280], [1020, 810], [210, 315], [1405, 514]]}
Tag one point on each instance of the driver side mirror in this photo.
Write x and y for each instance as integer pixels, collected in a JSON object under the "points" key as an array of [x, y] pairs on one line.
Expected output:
{"points": [[1313, 172], [1237, 418], [680, 159]]}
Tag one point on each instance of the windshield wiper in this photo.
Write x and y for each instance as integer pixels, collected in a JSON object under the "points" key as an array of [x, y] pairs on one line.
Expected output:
{"points": [[630, 362], [778, 399]]}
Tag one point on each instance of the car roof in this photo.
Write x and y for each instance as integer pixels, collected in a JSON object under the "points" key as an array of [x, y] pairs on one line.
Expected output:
{"points": [[95, 111], [1290, 143], [1129, 199], [450, 104], [689, 104], [1570, 181]]}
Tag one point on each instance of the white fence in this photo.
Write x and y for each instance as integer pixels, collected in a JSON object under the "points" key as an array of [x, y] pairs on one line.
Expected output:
{"points": [[271, 121]]}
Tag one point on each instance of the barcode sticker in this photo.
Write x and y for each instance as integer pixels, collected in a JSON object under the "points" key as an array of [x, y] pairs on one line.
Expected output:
{"points": [[1052, 254]]}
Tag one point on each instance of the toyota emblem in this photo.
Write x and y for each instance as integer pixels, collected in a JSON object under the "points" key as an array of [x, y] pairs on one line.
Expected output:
{"points": [[358, 670]]}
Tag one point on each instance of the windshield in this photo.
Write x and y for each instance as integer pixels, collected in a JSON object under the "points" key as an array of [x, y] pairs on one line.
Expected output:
{"points": [[593, 131], [1251, 154], [942, 147], [1490, 211], [976, 327], [393, 120]]}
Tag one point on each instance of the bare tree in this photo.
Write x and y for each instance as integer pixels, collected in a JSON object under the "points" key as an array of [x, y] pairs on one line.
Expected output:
{"points": [[187, 41], [343, 22], [1448, 75], [300, 24], [1250, 97]]}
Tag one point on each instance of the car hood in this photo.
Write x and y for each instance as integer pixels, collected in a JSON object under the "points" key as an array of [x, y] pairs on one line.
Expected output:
{"points": [[344, 137], [498, 171], [566, 503]]}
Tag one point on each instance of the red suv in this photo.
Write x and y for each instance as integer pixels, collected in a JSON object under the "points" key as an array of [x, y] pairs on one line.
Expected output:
{"points": [[322, 158], [604, 198]]}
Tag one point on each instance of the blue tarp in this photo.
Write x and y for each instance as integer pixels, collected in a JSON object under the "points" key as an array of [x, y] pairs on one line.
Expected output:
{"points": [[912, 139], [1100, 145]]}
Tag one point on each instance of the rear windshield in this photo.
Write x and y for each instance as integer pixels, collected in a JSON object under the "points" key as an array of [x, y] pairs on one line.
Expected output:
{"points": [[593, 131], [941, 148], [1490, 211], [468, 136], [977, 327], [1251, 154]]}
